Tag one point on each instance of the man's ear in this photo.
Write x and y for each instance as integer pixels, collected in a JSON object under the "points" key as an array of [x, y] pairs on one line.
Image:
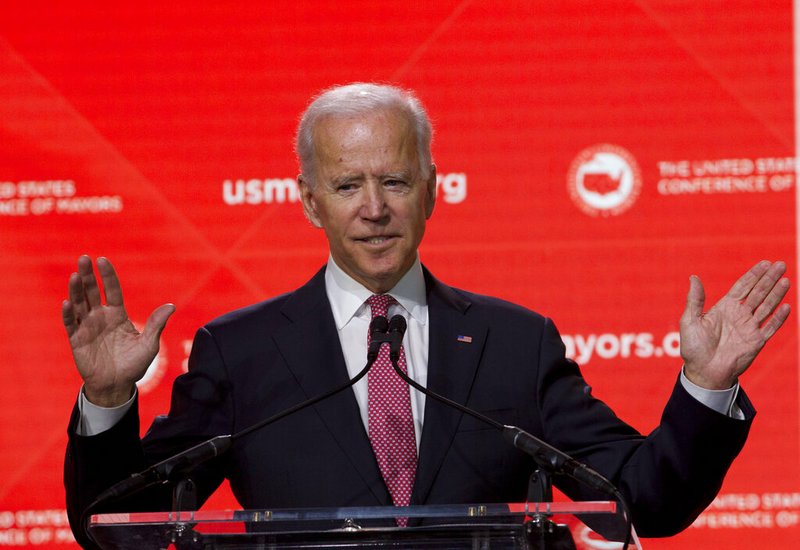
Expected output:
{"points": [[309, 203], [431, 191]]}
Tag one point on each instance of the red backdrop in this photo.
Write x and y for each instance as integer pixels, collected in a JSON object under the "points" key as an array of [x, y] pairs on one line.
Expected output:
{"points": [[592, 156]]}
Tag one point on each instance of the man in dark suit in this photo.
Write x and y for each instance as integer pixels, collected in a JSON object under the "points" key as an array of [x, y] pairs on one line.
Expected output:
{"points": [[368, 181]]}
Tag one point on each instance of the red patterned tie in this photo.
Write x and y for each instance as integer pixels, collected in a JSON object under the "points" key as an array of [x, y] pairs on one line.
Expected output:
{"points": [[391, 426]]}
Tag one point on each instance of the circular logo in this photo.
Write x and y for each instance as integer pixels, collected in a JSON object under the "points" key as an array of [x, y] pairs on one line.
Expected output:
{"points": [[604, 180]]}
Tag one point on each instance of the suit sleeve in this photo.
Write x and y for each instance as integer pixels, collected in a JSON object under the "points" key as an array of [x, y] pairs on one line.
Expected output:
{"points": [[668, 476], [94, 463]]}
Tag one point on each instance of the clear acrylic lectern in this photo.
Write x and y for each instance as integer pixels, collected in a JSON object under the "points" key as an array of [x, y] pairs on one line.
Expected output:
{"points": [[477, 526]]}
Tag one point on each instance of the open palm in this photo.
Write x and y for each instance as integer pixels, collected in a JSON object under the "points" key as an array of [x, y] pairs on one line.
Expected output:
{"points": [[719, 345], [110, 353]]}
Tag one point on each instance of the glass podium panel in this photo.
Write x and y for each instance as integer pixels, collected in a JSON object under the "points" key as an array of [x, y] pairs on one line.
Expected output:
{"points": [[474, 526]]}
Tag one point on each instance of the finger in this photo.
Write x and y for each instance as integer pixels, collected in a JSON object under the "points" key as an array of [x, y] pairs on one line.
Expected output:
{"points": [[77, 296], [765, 285], [773, 299], [111, 286], [156, 322], [68, 317], [746, 282], [695, 300], [775, 322], [89, 281]]}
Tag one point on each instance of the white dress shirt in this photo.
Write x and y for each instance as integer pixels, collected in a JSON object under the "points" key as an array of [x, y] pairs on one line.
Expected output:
{"points": [[352, 317]]}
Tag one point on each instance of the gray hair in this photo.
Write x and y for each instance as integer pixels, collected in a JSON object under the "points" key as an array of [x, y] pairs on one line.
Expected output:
{"points": [[355, 99]]}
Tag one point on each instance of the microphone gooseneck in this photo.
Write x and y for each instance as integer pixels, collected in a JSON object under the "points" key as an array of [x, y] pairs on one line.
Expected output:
{"points": [[546, 456], [377, 329], [181, 464]]}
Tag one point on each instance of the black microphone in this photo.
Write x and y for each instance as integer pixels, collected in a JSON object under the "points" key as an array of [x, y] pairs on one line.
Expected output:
{"points": [[397, 329], [179, 465], [170, 469], [377, 336], [546, 456]]}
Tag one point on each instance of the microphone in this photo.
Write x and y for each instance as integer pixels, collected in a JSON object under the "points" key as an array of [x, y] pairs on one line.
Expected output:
{"points": [[377, 336], [546, 456], [397, 329], [179, 465], [167, 470]]}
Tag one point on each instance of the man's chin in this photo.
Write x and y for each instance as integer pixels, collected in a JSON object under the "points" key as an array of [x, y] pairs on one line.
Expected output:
{"points": [[381, 280]]}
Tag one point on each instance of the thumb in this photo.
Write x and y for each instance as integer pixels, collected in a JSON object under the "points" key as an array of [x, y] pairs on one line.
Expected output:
{"points": [[156, 323], [695, 300]]}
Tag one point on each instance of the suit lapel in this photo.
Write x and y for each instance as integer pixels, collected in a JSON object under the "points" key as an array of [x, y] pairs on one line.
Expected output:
{"points": [[452, 364], [310, 345]]}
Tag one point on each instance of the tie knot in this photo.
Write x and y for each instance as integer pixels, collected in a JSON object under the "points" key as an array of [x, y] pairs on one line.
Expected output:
{"points": [[379, 304]]}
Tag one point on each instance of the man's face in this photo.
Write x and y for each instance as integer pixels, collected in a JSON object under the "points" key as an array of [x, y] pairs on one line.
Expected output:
{"points": [[369, 195]]}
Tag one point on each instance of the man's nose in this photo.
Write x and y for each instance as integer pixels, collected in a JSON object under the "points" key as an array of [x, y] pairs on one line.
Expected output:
{"points": [[374, 203]]}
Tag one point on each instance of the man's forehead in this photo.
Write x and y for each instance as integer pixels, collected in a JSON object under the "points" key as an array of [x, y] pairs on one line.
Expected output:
{"points": [[372, 133], [360, 123]]}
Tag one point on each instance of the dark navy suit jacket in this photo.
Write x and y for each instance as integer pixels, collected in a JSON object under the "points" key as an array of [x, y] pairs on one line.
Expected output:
{"points": [[257, 361]]}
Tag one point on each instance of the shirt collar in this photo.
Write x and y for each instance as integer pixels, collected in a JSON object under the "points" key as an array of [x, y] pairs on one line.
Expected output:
{"points": [[347, 296]]}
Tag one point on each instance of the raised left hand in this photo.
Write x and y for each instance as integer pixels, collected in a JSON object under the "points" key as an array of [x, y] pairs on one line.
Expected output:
{"points": [[719, 345]]}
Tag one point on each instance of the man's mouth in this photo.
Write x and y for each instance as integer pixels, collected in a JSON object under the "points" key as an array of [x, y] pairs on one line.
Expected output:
{"points": [[376, 240]]}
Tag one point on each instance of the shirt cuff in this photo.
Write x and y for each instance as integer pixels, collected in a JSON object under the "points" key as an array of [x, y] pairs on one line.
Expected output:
{"points": [[95, 420], [721, 401]]}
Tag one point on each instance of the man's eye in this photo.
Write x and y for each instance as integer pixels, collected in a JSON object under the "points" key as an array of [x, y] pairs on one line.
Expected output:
{"points": [[346, 187], [394, 183]]}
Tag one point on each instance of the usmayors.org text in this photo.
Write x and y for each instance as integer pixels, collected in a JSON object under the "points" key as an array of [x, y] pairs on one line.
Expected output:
{"points": [[607, 345]]}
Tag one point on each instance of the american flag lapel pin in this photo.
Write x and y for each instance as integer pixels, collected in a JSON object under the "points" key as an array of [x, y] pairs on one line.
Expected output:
{"points": [[465, 339]]}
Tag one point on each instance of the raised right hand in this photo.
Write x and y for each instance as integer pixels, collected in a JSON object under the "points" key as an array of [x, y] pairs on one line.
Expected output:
{"points": [[111, 355]]}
